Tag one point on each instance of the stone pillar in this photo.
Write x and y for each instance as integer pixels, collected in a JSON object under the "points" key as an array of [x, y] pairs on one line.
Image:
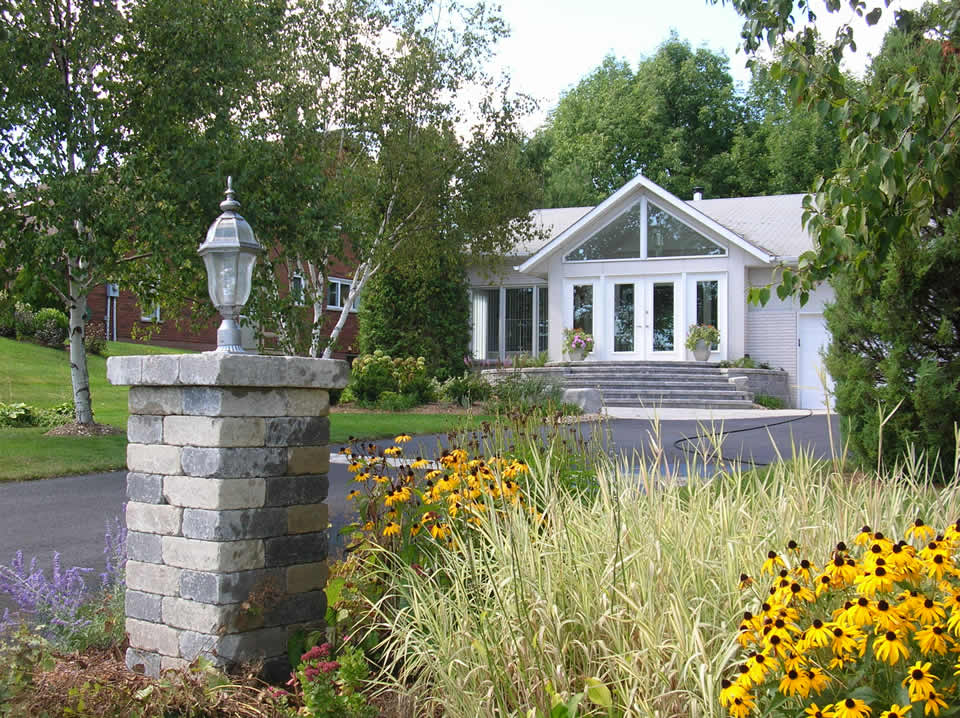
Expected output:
{"points": [[227, 542]]}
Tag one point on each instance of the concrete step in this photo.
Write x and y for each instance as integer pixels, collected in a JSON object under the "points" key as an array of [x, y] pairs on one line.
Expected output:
{"points": [[649, 383]]}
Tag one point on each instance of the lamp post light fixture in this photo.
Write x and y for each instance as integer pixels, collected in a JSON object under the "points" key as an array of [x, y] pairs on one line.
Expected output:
{"points": [[229, 252]]}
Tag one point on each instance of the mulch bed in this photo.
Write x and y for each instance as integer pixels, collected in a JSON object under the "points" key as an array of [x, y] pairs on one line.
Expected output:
{"points": [[75, 429]]}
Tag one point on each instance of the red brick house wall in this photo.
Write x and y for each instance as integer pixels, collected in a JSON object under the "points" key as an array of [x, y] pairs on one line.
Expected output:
{"points": [[200, 336]]}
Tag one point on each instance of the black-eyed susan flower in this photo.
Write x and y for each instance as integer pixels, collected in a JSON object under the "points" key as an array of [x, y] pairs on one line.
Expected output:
{"points": [[938, 564], [772, 564], [919, 681], [819, 633], [859, 613], [815, 711], [804, 570], [729, 691], [402, 439], [759, 665], [870, 582], [864, 537], [391, 529], [845, 640], [897, 711], [933, 704], [745, 581], [933, 639], [889, 618], [851, 708], [742, 706], [890, 648], [819, 679], [929, 611], [920, 531], [795, 683], [354, 467], [393, 451], [419, 463], [352, 495]]}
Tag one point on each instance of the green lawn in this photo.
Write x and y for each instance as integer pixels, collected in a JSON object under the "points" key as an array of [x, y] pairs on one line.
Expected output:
{"points": [[41, 377]]}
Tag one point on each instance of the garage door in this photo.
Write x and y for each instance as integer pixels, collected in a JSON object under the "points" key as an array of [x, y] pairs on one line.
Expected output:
{"points": [[812, 338]]}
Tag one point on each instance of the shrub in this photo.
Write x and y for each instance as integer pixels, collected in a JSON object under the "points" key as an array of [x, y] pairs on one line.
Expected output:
{"points": [[51, 327], [95, 338], [24, 324], [465, 389], [770, 402], [518, 392], [22, 415], [393, 401], [419, 309], [372, 375], [329, 685]]}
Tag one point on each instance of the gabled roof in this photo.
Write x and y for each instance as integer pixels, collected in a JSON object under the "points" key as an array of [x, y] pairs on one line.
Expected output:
{"points": [[764, 227], [549, 223]]}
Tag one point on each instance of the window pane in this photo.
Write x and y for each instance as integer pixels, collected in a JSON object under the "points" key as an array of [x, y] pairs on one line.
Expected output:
{"points": [[519, 319], [669, 237], [493, 323], [708, 296], [623, 317], [333, 294], [344, 293], [618, 240], [296, 289], [663, 317], [542, 320], [583, 307]]}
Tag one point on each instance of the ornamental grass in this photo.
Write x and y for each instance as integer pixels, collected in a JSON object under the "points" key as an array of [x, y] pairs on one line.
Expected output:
{"points": [[631, 585]]}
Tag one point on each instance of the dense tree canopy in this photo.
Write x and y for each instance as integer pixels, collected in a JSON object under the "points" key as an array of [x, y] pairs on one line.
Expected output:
{"points": [[113, 119]]}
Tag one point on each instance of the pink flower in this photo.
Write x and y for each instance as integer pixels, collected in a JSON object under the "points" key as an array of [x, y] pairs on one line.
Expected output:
{"points": [[310, 672], [328, 666]]}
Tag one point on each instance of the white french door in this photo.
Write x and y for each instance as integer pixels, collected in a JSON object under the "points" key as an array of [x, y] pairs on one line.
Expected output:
{"points": [[643, 321]]}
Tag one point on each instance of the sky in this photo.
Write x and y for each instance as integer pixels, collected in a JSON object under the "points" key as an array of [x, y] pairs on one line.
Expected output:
{"points": [[554, 43]]}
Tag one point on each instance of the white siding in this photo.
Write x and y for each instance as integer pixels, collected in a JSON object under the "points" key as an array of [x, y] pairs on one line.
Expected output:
{"points": [[772, 337]]}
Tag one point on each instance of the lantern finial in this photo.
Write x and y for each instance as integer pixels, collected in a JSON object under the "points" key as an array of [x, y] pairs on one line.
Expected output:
{"points": [[229, 204]]}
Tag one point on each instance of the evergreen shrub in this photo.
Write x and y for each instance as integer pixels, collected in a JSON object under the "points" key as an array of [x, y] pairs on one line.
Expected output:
{"points": [[419, 309]]}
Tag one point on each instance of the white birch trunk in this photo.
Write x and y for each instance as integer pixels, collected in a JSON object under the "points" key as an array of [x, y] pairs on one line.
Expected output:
{"points": [[79, 375]]}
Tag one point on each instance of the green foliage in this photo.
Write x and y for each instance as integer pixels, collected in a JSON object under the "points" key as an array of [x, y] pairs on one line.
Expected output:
{"points": [[374, 375], [744, 362], [24, 320], [465, 389], [95, 338], [518, 392], [330, 685], [707, 332], [7, 323], [770, 402], [20, 415], [51, 327], [419, 308]]}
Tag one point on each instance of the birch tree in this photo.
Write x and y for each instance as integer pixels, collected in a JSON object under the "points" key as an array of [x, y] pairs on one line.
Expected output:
{"points": [[373, 120], [88, 89]]}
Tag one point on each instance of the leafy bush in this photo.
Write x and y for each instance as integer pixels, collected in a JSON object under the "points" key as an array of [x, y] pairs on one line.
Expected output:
{"points": [[393, 401], [465, 389], [519, 392], [770, 402], [373, 375], [744, 362], [419, 308], [51, 327], [95, 338], [20, 415], [24, 323], [329, 685]]}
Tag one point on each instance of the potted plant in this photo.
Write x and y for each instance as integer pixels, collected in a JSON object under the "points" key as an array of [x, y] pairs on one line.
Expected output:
{"points": [[700, 337], [577, 343]]}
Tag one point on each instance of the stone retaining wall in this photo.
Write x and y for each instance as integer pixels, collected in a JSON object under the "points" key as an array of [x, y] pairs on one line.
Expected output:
{"points": [[772, 382], [227, 542]]}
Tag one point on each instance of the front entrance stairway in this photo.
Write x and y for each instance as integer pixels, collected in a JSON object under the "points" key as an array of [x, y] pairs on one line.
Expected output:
{"points": [[675, 385]]}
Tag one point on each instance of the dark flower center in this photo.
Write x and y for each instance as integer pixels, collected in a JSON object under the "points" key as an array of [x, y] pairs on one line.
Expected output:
{"points": [[849, 703], [928, 603], [817, 623], [890, 636], [793, 675], [862, 601], [771, 554], [917, 675]]}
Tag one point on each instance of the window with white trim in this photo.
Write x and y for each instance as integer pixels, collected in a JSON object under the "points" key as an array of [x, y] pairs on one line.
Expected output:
{"points": [[337, 292], [296, 289]]}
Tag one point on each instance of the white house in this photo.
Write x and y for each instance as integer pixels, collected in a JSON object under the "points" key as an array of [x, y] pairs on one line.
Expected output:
{"points": [[638, 269]]}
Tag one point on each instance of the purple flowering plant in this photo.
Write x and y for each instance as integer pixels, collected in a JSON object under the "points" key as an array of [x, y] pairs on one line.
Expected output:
{"points": [[330, 685], [577, 340], [54, 604]]}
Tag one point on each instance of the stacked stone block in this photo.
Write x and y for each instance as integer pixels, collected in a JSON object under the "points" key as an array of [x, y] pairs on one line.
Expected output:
{"points": [[227, 525]]}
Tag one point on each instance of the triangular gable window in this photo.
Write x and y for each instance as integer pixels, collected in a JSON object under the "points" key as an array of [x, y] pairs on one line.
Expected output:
{"points": [[621, 239], [669, 237], [666, 236]]}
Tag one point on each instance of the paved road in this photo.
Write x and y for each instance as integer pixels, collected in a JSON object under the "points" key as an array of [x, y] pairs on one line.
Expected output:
{"points": [[69, 514]]}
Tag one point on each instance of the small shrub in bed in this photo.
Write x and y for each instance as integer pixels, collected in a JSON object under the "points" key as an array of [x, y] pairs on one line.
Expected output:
{"points": [[51, 327]]}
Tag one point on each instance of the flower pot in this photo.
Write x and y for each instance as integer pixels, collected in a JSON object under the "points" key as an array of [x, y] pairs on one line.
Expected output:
{"points": [[576, 354], [701, 351]]}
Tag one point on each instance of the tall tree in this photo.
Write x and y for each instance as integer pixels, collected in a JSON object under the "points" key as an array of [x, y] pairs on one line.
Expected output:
{"points": [[672, 119], [103, 106], [382, 154], [885, 223]]}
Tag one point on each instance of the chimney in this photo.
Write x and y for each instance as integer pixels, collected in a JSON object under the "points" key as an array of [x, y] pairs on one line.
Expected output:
{"points": [[697, 194]]}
